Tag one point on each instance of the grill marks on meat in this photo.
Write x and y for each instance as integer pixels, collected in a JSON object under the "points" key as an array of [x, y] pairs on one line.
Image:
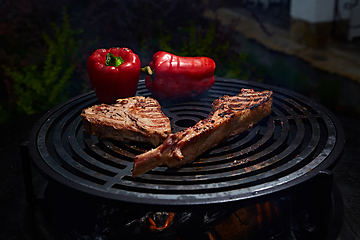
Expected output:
{"points": [[230, 115], [138, 119]]}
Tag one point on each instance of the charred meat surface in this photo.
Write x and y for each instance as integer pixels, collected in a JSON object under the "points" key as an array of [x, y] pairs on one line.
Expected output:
{"points": [[230, 115], [138, 119]]}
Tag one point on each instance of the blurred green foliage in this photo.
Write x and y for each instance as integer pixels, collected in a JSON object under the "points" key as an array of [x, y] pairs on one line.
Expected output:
{"points": [[45, 84]]}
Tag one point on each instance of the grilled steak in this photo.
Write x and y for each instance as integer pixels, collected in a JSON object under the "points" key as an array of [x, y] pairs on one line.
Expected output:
{"points": [[136, 118], [229, 116]]}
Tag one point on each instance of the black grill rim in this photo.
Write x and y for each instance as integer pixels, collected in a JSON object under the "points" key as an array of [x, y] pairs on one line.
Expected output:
{"points": [[51, 175]]}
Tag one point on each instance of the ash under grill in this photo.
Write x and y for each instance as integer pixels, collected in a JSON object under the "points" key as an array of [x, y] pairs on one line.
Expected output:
{"points": [[299, 140]]}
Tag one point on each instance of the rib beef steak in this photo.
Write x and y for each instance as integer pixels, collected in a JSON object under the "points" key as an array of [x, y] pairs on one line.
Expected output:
{"points": [[230, 115]]}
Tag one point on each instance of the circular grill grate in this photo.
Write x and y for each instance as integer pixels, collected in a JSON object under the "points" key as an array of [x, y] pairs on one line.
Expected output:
{"points": [[299, 139]]}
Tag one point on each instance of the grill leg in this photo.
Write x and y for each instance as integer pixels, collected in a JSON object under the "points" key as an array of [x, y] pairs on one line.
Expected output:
{"points": [[26, 168], [311, 207], [324, 199]]}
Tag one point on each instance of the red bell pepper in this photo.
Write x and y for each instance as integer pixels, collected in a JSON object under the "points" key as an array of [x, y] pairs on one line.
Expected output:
{"points": [[171, 76], [114, 73]]}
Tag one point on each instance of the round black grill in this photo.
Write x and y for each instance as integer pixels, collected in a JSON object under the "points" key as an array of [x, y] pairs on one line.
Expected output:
{"points": [[298, 140]]}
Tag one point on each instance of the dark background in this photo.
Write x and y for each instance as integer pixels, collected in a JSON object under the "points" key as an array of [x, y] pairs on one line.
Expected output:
{"points": [[38, 35]]}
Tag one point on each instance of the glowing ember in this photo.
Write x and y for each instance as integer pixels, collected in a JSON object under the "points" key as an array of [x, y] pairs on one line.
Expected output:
{"points": [[153, 225]]}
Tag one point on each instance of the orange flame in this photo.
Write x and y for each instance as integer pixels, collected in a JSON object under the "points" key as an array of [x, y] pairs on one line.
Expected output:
{"points": [[167, 222], [246, 222]]}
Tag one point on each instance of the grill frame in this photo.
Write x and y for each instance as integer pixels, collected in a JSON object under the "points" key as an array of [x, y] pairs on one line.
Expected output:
{"points": [[182, 196]]}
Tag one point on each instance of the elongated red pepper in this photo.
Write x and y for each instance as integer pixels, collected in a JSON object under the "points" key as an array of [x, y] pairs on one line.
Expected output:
{"points": [[172, 76], [114, 73]]}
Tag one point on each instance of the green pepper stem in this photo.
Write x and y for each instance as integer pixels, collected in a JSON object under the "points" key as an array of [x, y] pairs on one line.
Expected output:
{"points": [[111, 60], [147, 70]]}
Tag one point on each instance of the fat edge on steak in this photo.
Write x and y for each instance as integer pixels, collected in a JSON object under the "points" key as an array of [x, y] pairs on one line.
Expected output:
{"points": [[137, 119], [229, 116]]}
